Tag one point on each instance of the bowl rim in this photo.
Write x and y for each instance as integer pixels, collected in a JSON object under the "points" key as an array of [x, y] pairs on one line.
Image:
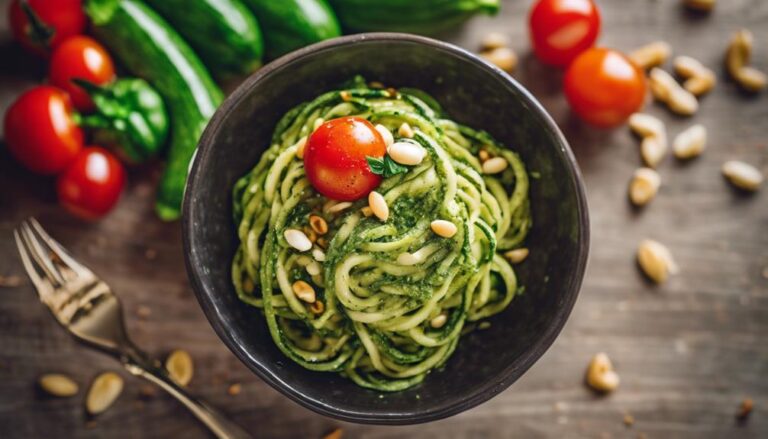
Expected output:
{"points": [[512, 372]]}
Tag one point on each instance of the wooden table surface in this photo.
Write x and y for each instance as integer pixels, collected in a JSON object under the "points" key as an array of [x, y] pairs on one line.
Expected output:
{"points": [[688, 352]]}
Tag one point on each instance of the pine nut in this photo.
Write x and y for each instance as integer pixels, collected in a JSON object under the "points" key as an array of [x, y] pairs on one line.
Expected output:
{"points": [[665, 89], [494, 40], [737, 62], [322, 242], [386, 134], [600, 374], [313, 268], [405, 130], [297, 239], [317, 307], [332, 206], [699, 79], [742, 175], [311, 235], [652, 151], [517, 255], [58, 385], [318, 254], [366, 211], [645, 125], [103, 392], [378, 205], [656, 261], [303, 291], [345, 96], [483, 155], [690, 143], [319, 121], [318, 224], [303, 260], [495, 165], [700, 5], [406, 153], [651, 55], [443, 228], [502, 57], [301, 145], [439, 321], [644, 186], [179, 366]]}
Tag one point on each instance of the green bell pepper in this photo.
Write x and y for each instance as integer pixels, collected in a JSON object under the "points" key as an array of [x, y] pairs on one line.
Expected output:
{"points": [[130, 117]]}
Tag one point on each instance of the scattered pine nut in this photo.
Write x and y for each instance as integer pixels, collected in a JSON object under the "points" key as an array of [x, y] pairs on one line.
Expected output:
{"points": [[333, 206], [301, 145], [443, 228], [439, 321], [737, 62], [517, 255], [742, 175], [105, 389], [652, 151], [651, 55], [690, 143], [297, 239], [405, 130], [322, 242], [665, 89], [345, 96], [366, 211], [700, 5], [59, 385], [318, 254], [318, 224], [234, 389], [502, 57], [629, 420], [385, 134], [644, 186], [303, 291], [494, 40], [180, 367], [483, 155], [311, 235], [378, 205], [645, 125], [699, 79], [313, 268], [600, 374], [656, 261], [495, 165], [406, 153]]}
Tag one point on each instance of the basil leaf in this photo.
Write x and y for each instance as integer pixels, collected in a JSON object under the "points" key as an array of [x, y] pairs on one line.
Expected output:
{"points": [[376, 165], [385, 167]]}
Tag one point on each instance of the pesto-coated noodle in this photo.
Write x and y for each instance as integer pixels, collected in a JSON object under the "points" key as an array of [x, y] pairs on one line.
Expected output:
{"points": [[381, 319]]}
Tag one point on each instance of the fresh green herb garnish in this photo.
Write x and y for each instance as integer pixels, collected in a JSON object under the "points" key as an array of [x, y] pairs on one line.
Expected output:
{"points": [[386, 167]]}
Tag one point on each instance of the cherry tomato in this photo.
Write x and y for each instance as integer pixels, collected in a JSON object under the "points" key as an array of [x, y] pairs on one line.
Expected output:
{"points": [[40, 131], [604, 87], [92, 184], [561, 29], [335, 154], [62, 18], [80, 57]]}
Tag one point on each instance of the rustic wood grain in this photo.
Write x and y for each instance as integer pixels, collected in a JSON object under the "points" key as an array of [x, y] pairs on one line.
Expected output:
{"points": [[687, 352]]}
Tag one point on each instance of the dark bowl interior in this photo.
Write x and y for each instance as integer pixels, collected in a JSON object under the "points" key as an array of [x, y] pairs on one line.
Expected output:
{"points": [[474, 93]]}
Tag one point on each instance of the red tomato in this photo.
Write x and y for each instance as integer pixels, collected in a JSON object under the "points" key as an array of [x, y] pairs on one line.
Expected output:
{"points": [[561, 29], [80, 57], [335, 154], [92, 184], [63, 17], [604, 87], [40, 131]]}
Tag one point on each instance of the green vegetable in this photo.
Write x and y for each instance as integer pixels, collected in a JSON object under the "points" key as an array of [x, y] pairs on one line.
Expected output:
{"points": [[386, 167], [291, 24], [415, 16], [130, 118], [149, 48], [223, 32]]}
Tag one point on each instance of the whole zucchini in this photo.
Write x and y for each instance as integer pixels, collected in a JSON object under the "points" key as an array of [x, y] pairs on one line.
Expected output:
{"points": [[414, 16], [148, 47], [224, 33], [291, 24]]}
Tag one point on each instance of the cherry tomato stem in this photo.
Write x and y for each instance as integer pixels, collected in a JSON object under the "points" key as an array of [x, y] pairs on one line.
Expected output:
{"points": [[41, 25], [80, 57]]}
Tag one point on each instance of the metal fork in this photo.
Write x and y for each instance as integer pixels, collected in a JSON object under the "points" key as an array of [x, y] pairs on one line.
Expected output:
{"points": [[86, 306]]}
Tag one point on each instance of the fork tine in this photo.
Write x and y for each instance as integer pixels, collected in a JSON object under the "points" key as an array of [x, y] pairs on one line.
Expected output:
{"points": [[40, 255], [59, 250], [34, 276]]}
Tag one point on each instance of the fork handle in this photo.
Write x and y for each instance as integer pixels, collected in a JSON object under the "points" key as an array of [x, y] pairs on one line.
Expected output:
{"points": [[219, 425]]}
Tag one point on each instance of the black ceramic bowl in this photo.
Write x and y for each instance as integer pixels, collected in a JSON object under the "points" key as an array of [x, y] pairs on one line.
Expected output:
{"points": [[474, 93]]}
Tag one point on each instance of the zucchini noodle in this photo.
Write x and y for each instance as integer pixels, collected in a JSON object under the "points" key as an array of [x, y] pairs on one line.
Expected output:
{"points": [[379, 318]]}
